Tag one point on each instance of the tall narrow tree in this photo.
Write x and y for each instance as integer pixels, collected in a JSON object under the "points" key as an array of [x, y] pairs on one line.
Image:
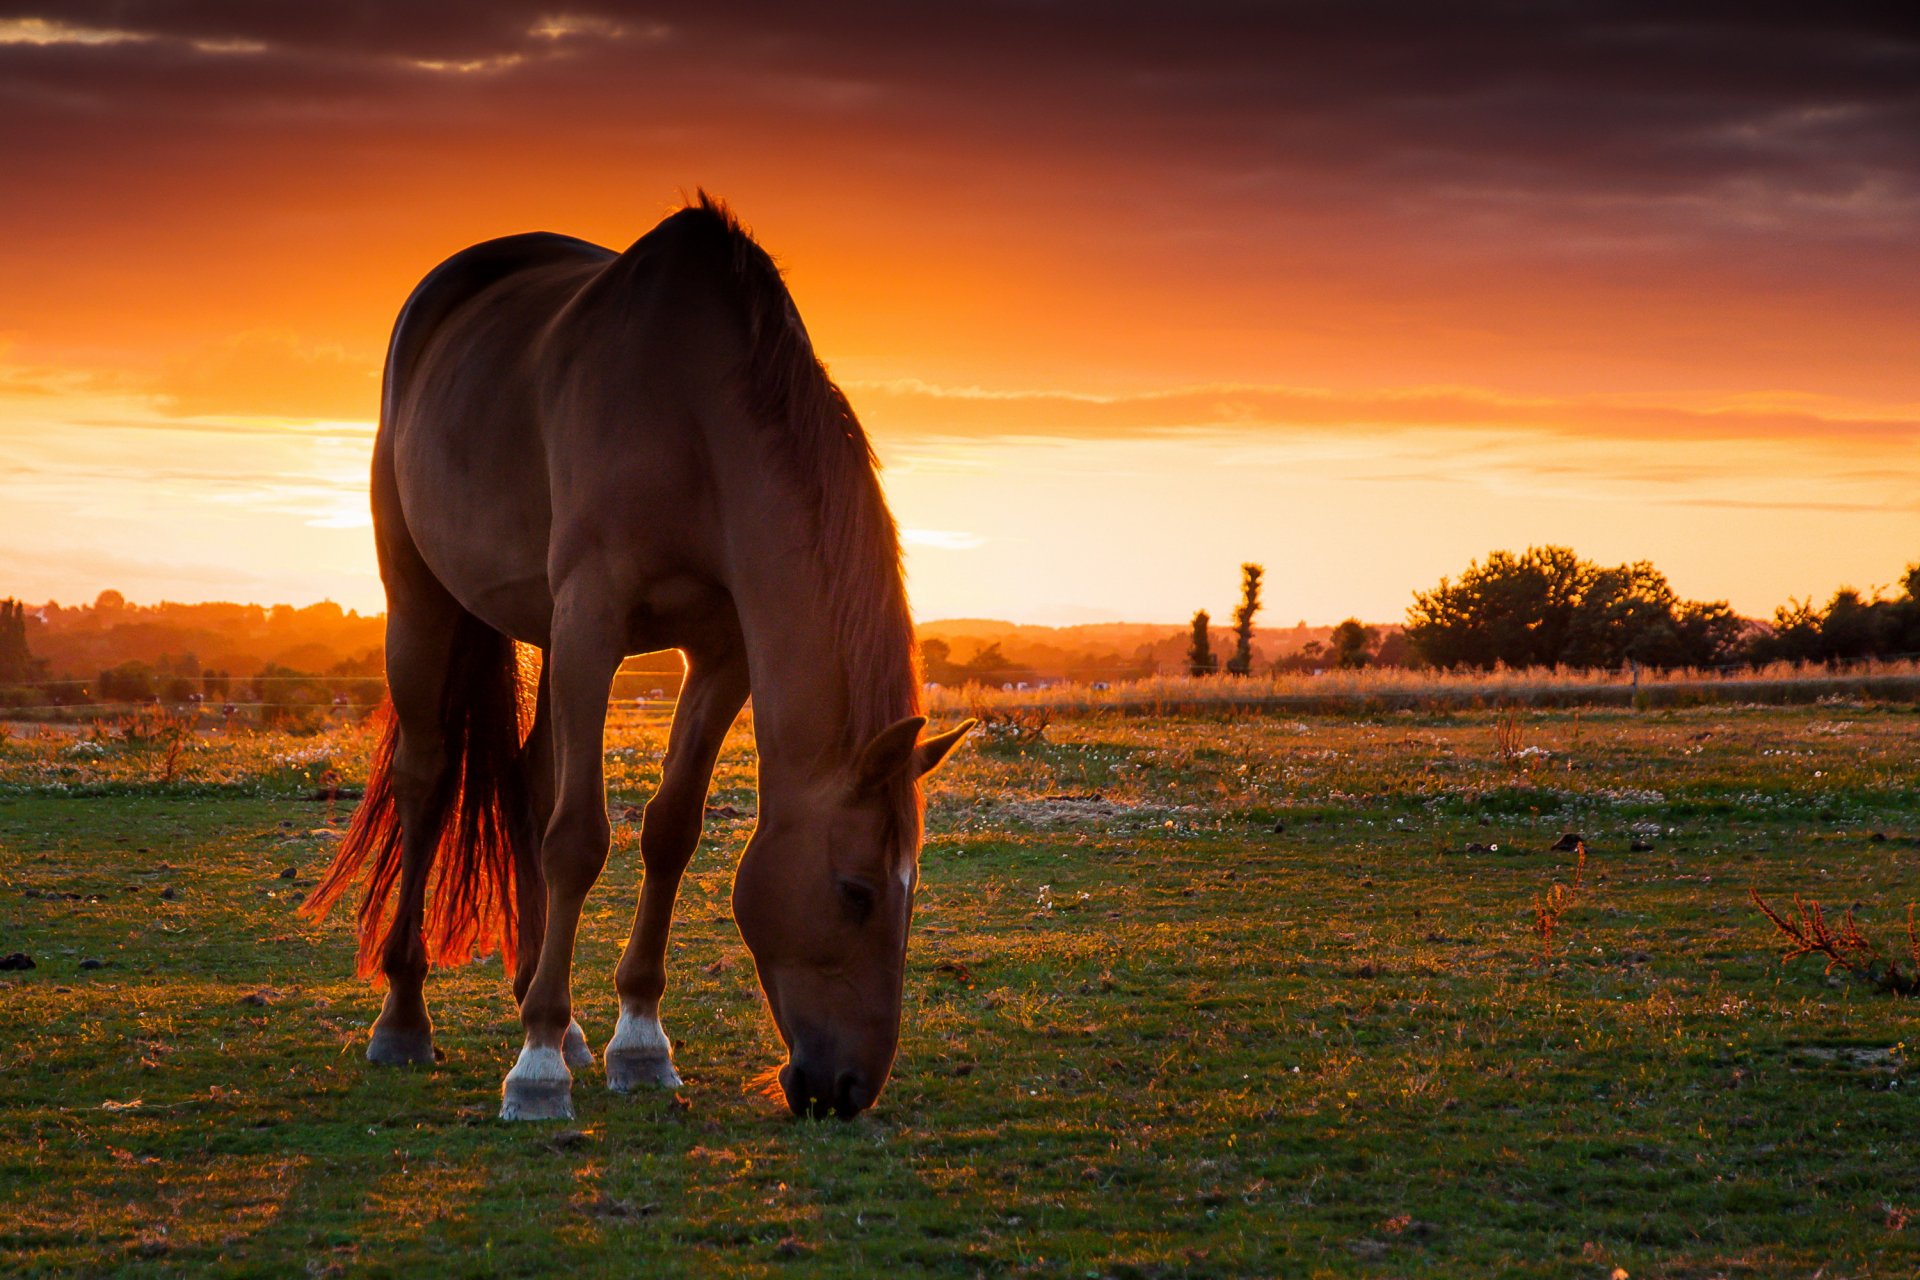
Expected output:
{"points": [[17, 663], [1201, 659], [1242, 661]]}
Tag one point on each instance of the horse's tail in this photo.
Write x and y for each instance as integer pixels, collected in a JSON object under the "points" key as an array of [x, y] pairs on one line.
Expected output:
{"points": [[485, 859]]}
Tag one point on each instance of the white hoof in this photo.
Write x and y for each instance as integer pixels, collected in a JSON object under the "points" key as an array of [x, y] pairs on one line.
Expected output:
{"points": [[538, 1088], [639, 1056], [574, 1048]]}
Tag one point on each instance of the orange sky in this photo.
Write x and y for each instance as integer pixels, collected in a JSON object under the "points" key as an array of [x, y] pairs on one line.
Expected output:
{"points": [[1358, 292]]}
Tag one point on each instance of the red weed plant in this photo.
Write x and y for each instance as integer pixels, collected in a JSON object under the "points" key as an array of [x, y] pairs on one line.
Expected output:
{"points": [[1847, 949], [1549, 907]]}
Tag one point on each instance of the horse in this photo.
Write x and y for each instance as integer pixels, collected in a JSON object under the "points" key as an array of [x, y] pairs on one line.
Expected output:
{"points": [[592, 455]]}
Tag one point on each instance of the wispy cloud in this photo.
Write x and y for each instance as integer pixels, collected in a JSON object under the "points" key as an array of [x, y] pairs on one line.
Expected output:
{"points": [[51, 31], [943, 539], [908, 407]]}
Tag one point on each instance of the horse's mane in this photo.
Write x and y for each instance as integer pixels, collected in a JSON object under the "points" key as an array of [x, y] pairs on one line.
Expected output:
{"points": [[828, 455]]}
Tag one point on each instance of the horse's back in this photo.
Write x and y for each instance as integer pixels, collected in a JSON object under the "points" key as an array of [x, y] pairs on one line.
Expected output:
{"points": [[464, 277]]}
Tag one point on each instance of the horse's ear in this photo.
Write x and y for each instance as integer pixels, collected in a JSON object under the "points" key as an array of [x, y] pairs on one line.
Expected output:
{"points": [[931, 751], [889, 754]]}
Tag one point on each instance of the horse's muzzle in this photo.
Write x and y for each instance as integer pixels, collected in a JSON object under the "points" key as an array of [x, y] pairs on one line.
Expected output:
{"points": [[810, 1094]]}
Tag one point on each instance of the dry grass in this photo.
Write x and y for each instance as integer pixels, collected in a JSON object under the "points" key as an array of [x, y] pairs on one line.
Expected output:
{"points": [[1508, 742], [1399, 688]]}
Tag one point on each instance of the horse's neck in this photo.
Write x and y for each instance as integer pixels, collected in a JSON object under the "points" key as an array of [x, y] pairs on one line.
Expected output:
{"points": [[799, 679], [800, 701], [784, 592]]}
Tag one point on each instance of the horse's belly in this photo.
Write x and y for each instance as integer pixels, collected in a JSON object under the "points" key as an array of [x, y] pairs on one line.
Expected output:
{"points": [[475, 505]]}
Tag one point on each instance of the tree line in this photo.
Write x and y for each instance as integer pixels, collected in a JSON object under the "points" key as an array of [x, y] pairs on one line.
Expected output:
{"points": [[1548, 607], [1544, 607]]}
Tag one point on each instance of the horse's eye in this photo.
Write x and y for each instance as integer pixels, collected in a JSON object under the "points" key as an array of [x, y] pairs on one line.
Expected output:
{"points": [[856, 898]]}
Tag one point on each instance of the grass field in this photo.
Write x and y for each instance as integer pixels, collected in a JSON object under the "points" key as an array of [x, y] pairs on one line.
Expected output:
{"points": [[1203, 996]]}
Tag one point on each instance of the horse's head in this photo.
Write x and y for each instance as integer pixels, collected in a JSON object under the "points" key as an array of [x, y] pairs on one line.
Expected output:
{"points": [[823, 897]]}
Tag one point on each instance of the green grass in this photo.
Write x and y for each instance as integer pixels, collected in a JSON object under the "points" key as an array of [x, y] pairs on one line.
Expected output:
{"points": [[1146, 1034]]}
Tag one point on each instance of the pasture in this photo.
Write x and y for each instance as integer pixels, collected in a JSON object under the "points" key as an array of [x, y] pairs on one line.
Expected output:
{"points": [[1214, 995]]}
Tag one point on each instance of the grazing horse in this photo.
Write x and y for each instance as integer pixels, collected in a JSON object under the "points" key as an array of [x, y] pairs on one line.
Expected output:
{"points": [[601, 454]]}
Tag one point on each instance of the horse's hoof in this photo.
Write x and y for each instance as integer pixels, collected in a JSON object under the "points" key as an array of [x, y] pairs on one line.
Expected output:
{"points": [[537, 1100], [538, 1088], [392, 1047], [574, 1048], [640, 1056], [628, 1070]]}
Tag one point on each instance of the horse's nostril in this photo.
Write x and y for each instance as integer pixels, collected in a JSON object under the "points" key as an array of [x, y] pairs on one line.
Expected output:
{"points": [[851, 1094], [793, 1084]]}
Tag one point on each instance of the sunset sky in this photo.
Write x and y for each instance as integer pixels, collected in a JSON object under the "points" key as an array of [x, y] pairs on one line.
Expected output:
{"points": [[1126, 294]]}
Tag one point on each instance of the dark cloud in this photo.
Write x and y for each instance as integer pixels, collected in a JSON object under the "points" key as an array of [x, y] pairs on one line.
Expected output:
{"points": [[1729, 103]]}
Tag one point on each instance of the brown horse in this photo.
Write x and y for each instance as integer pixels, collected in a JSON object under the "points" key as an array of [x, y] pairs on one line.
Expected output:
{"points": [[597, 455]]}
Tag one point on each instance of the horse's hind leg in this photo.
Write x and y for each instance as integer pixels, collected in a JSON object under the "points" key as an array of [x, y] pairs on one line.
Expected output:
{"points": [[640, 1053], [421, 633]]}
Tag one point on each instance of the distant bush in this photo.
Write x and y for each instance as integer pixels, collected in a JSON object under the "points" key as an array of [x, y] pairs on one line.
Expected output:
{"points": [[1352, 645], [128, 682]]}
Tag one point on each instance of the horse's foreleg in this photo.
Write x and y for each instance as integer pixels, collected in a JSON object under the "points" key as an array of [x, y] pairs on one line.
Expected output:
{"points": [[640, 1053], [584, 655], [531, 897]]}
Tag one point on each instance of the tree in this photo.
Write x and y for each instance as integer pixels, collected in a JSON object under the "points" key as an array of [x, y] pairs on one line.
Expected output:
{"points": [[1794, 635], [1848, 626], [937, 664], [1394, 651], [1548, 607], [1903, 615], [1516, 610], [989, 666], [1852, 627], [17, 663], [1242, 661], [1352, 644], [1201, 660], [290, 697], [1622, 613], [128, 682], [1709, 634]]}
